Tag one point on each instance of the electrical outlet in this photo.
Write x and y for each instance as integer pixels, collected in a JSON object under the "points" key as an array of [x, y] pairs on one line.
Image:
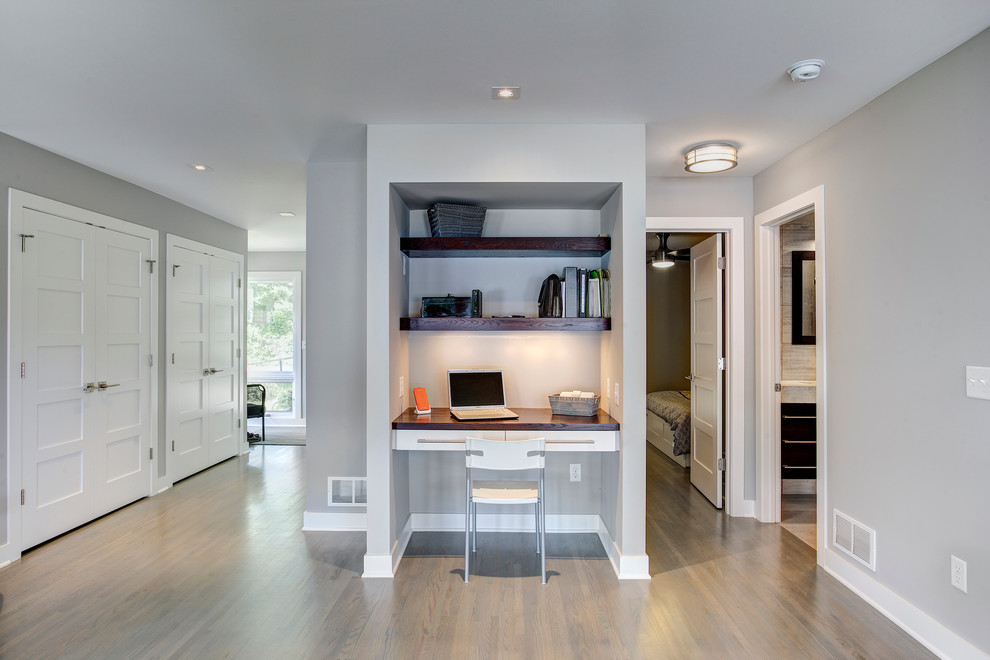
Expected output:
{"points": [[402, 386], [608, 388], [978, 382], [575, 472], [958, 577], [616, 392]]}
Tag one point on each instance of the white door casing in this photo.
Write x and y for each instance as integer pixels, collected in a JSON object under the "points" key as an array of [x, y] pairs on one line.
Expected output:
{"points": [[81, 311], [204, 382], [706, 368], [767, 310]]}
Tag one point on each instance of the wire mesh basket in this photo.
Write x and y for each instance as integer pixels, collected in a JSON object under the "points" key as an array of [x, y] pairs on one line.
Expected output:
{"points": [[584, 406], [456, 220]]}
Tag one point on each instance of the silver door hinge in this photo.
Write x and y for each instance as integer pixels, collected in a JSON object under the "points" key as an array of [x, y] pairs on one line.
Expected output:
{"points": [[776, 387], [23, 369], [24, 238], [238, 283], [238, 352], [173, 358], [173, 445], [151, 265], [151, 453], [721, 463], [22, 496], [238, 423], [151, 359], [721, 263], [721, 364], [174, 266]]}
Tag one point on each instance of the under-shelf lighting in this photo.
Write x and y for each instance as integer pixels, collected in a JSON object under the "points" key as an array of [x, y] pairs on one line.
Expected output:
{"points": [[711, 157], [287, 214]]}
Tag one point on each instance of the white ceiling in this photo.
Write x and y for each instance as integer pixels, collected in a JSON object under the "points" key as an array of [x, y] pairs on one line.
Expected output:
{"points": [[258, 88]]}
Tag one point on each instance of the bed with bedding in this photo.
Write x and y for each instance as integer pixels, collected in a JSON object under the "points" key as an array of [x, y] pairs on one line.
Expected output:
{"points": [[668, 424]]}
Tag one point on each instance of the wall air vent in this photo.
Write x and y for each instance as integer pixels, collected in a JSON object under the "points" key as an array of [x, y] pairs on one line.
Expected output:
{"points": [[855, 539], [347, 491]]}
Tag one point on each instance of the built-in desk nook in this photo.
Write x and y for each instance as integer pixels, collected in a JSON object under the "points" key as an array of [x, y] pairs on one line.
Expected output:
{"points": [[558, 199], [438, 431]]}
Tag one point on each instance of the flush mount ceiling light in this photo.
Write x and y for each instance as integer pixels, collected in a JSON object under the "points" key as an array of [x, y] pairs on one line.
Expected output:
{"points": [[506, 92], [287, 214], [710, 157], [662, 262], [199, 167], [805, 70]]}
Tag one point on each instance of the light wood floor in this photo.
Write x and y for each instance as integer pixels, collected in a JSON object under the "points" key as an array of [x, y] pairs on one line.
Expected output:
{"points": [[217, 568]]}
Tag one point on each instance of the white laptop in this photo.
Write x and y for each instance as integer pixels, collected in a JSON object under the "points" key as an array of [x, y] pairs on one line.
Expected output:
{"points": [[477, 394]]}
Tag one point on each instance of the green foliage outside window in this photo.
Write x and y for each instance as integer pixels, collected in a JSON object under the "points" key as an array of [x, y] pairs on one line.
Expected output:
{"points": [[269, 337]]}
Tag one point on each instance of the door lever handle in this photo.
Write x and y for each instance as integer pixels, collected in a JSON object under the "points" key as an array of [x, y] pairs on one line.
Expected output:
{"points": [[90, 387], [215, 371], [103, 385], [689, 377]]}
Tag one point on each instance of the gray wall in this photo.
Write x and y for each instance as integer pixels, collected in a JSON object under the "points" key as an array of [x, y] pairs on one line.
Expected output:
{"points": [[28, 168], [668, 327], [288, 261], [907, 227], [335, 327]]}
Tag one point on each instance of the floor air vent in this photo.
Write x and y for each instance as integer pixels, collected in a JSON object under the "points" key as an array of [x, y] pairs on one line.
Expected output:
{"points": [[345, 491], [855, 539]]}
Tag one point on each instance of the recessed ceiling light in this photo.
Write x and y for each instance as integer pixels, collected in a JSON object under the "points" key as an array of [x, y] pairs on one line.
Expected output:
{"points": [[506, 92], [287, 214], [805, 70], [199, 167]]}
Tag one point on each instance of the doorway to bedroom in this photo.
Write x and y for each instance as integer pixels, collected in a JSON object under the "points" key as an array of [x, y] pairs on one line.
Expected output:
{"points": [[685, 355]]}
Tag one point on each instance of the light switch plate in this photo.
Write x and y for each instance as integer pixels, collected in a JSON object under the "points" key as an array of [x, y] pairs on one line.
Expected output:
{"points": [[978, 382]]}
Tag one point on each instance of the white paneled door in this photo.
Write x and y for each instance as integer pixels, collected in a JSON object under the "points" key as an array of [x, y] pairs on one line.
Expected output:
{"points": [[204, 370], [86, 345], [707, 368]]}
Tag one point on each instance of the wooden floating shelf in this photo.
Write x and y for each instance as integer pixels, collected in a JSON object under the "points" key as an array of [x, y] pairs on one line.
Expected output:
{"points": [[494, 246], [469, 324]]}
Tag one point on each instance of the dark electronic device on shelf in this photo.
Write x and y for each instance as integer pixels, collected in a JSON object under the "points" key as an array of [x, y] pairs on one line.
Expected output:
{"points": [[447, 306]]}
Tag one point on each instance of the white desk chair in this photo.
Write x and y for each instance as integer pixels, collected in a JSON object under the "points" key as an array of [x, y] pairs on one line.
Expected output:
{"points": [[503, 456]]}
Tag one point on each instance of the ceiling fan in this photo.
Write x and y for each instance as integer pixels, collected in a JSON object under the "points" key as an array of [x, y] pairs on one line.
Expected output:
{"points": [[663, 256]]}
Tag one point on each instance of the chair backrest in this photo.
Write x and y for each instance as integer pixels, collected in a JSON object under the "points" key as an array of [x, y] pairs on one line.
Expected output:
{"points": [[505, 455], [256, 393]]}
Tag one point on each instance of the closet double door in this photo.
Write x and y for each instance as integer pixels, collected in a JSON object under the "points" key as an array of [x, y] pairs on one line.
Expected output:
{"points": [[204, 384], [86, 324]]}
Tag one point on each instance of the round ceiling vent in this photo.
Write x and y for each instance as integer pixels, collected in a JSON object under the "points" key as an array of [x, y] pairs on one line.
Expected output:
{"points": [[805, 70]]}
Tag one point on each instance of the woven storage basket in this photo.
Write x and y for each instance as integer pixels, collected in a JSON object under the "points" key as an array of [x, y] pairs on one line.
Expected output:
{"points": [[456, 220], [574, 405]]}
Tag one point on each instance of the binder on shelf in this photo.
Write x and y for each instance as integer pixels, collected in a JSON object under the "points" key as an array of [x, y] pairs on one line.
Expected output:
{"points": [[605, 280], [594, 295], [582, 292], [570, 284]]}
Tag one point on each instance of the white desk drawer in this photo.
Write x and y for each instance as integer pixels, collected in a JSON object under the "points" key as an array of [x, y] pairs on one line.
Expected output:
{"points": [[571, 440], [427, 440]]}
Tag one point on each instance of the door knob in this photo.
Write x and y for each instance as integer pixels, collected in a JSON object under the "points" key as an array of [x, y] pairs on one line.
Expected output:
{"points": [[90, 387]]}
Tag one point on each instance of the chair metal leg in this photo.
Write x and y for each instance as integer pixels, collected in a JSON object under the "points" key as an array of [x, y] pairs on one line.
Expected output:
{"points": [[467, 528], [474, 526], [536, 517], [262, 428]]}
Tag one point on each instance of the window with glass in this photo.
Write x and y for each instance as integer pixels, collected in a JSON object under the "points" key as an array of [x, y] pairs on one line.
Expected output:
{"points": [[273, 339]]}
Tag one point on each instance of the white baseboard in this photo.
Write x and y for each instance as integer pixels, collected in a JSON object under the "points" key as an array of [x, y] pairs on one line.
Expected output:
{"points": [[377, 566], [746, 510], [322, 521], [626, 567], [930, 633], [502, 522]]}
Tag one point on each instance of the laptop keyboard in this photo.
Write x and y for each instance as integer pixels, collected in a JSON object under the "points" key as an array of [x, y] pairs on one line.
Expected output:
{"points": [[485, 413]]}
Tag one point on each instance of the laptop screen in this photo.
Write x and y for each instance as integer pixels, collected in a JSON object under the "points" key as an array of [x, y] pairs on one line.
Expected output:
{"points": [[475, 388]]}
